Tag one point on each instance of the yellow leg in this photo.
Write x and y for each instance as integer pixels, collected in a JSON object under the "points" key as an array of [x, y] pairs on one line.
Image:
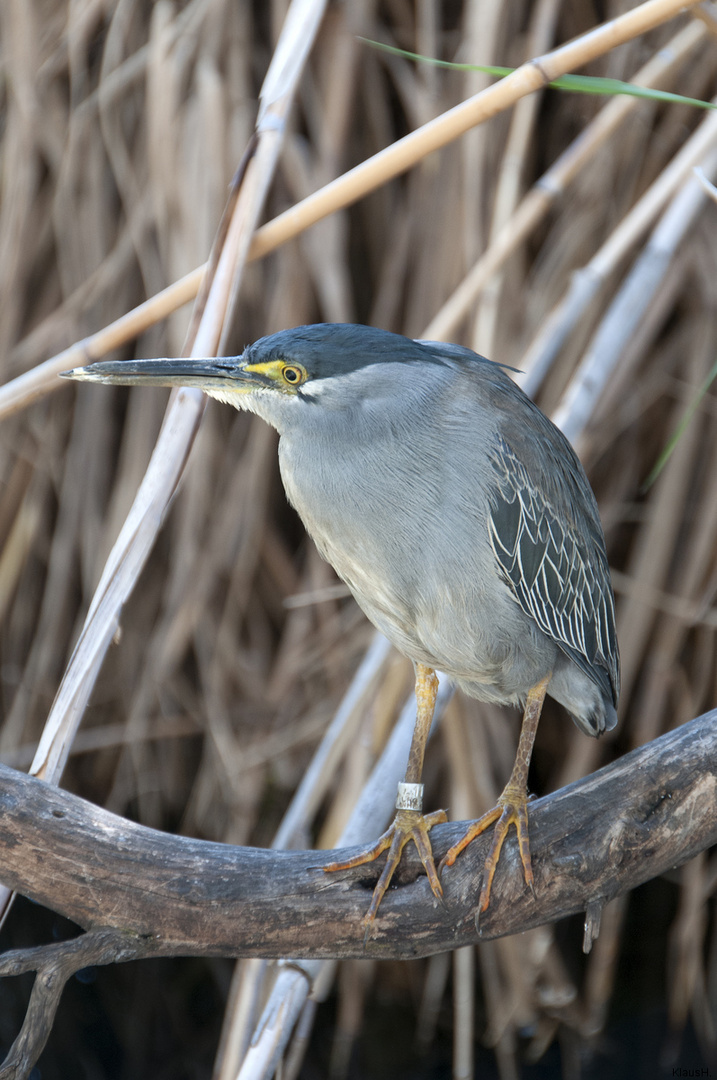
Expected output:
{"points": [[409, 823], [512, 808]]}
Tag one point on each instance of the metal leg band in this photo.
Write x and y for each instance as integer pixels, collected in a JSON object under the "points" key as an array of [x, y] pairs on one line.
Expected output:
{"points": [[409, 797]]}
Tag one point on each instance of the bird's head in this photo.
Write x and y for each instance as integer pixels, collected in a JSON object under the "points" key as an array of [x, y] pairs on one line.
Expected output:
{"points": [[332, 365]]}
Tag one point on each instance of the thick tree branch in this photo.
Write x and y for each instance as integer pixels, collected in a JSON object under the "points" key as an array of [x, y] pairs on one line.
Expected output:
{"points": [[591, 841]]}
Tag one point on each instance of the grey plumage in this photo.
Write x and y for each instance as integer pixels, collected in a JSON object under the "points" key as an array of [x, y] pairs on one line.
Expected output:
{"points": [[462, 522], [457, 514]]}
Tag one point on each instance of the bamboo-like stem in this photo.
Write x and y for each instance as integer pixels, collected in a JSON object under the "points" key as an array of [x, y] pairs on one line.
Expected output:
{"points": [[220, 684], [510, 179], [238, 1022], [407, 152], [184, 412], [708, 186], [42, 379], [587, 282], [292, 987], [355, 184], [552, 185], [137, 536], [627, 309]]}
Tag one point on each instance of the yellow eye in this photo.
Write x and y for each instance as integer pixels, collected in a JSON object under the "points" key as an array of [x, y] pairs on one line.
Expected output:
{"points": [[293, 375]]}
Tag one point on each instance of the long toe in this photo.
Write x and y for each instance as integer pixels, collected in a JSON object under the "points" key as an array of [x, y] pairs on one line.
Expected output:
{"points": [[369, 854], [514, 812], [474, 830], [512, 809], [407, 825]]}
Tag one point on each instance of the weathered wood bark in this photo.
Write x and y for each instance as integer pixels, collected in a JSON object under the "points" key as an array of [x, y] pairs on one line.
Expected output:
{"points": [[652, 810]]}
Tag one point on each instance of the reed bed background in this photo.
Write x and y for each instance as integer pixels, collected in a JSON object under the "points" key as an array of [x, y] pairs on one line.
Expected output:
{"points": [[123, 124]]}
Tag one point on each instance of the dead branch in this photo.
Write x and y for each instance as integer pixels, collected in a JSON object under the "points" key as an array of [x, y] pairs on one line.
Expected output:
{"points": [[591, 841], [55, 964], [140, 893]]}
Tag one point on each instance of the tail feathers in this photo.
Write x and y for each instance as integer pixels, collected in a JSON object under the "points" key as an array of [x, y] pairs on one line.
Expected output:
{"points": [[599, 720]]}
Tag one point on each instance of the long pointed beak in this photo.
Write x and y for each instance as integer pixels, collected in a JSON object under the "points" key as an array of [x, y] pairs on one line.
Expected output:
{"points": [[224, 373]]}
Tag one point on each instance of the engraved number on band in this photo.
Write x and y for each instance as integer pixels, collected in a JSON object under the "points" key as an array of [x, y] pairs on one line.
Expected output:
{"points": [[409, 797]]}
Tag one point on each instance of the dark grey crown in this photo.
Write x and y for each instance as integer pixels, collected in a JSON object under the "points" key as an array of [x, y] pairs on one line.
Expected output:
{"points": [[329, 349]]}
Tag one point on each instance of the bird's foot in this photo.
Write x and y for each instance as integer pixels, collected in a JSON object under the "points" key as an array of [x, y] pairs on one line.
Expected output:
{"points": [[512, 809], [407, 825]]}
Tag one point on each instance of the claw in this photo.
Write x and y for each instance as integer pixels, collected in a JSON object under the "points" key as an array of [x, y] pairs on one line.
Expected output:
{"points": [[511, 810], [407, 825]]}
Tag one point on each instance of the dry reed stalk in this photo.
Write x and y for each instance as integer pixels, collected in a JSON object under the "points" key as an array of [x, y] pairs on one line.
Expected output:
{"points": [[628, 308], [181, 422], [534, 206], [354, 978], [464, 1023], [249, 977], [463, 959], [691, 580], [587, 283], [485, 36], [405, 153], [304, 1025], [41, 380], [509, 181], [354, 185], [655, 548], [434, 987], [295, 978], [137, 536], [109, 737], [212, 637], [688, 575], [686, 949], [708, 186], [602, 966]]}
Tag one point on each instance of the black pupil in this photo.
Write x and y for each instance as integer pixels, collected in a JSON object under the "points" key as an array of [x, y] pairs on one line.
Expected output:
{"points": [[291, 374]]}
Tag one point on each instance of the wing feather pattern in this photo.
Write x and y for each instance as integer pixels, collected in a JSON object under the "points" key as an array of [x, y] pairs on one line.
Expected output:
{"points": [[555, 566]]}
